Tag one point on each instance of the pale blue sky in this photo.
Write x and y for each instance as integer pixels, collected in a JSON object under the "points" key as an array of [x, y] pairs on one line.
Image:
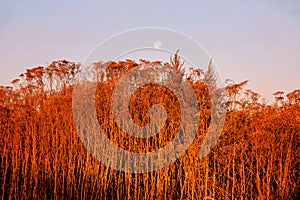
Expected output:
{"points": [[256, 40]]}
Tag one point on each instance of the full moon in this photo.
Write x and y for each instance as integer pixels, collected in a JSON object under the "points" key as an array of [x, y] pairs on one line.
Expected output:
{"points": [[157, 44]]}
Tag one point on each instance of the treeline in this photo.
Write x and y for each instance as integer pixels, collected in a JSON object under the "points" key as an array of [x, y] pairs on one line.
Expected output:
{"points": [[41, 156]]}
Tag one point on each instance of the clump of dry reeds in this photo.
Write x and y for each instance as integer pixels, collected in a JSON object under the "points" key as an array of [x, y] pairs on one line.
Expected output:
{"points": [[42, 157]]}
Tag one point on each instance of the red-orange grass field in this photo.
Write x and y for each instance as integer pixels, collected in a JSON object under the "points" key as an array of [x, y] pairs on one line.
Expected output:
{"points": [[42, 157]]}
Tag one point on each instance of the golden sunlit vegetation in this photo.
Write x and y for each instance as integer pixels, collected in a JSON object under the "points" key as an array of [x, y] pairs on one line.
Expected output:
{"points": [[41, 156]]}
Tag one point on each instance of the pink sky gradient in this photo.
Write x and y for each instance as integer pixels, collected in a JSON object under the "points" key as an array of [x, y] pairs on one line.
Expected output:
{"points": [[254, 40]]}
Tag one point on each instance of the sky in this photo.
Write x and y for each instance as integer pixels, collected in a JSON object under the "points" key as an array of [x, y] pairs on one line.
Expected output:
{"points": [[249, 40]]}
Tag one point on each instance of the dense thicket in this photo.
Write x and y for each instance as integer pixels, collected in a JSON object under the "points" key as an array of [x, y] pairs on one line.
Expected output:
{"points": [[42, 157]]}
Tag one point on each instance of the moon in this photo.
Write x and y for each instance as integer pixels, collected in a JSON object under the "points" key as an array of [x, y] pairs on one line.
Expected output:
{"points": [[157, 44]]}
